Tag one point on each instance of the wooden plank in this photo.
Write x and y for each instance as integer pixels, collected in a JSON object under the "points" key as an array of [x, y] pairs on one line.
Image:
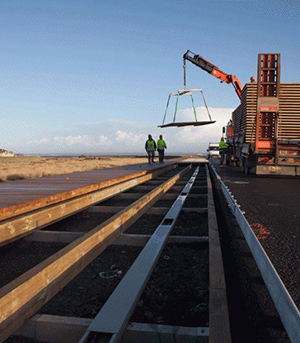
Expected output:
{"points": [[171, 196], [219, 326], [14, 190], [21, 226], [124, 239], [115, 209], [24, 296], [244, 116], [57, 329]]}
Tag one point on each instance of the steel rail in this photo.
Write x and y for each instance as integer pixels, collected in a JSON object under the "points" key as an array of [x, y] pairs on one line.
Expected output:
{"points": [[114, 316], [286, 308], [24, 296], [28, 223]]}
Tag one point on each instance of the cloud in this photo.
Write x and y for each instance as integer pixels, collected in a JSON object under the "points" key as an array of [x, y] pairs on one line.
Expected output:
{"points": [[70, 140], [120, 136], [129, 137]]}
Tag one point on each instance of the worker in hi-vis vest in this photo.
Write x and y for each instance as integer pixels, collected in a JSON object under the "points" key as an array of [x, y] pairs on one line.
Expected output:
{"points": [[150, 147], [223, 147], [161, 146]]}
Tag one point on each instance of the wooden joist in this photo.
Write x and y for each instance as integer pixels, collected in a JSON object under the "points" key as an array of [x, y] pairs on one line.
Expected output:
{"points": [[24, 296]]}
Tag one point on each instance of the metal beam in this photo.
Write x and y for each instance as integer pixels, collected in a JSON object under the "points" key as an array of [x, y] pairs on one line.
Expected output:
{"points": [[112, 319]]}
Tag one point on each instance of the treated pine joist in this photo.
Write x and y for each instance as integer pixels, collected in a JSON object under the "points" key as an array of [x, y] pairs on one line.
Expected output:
{"points": [[149, 188], [135, 196], [16, 210], [23, 297], [115, 209], [58, 329], [16, 228], [124, 239]]}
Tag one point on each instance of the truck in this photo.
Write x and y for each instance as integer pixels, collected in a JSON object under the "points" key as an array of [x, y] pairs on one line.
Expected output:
{"points": [[264, 131], [213, 150]]}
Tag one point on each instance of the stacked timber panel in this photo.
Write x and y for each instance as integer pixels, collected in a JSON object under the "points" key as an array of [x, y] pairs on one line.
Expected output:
{"points": [[289, 112], [243, 117]]}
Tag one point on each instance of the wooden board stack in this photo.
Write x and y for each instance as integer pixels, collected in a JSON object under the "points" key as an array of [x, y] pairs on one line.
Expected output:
{"points": [[243, 117]]}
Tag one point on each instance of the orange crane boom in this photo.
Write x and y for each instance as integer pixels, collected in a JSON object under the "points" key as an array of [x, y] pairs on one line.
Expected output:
{"points": [[199, 61]]}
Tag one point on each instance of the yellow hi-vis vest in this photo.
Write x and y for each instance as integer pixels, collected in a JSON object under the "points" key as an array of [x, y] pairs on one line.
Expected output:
{"points": [[223, 145], [150, 145], [161, 144]]}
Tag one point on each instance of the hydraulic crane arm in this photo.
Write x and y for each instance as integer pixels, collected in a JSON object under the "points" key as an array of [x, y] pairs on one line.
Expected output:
{"points": [[213, 70]]}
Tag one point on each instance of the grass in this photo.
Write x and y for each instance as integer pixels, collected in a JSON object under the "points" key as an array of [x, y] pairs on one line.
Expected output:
{"points": [[17, 168]]}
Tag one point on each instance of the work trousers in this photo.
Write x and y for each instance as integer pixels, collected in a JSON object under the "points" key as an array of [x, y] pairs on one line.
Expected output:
{"points": [[150, 156], [223, 153], [161, 154]]}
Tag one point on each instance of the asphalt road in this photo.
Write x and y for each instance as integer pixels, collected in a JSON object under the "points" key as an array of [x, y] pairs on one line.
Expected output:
{"points": [[271, 206]]}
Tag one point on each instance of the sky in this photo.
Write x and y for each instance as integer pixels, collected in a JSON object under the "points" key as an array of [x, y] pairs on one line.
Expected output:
{"points": [[93, 76]]}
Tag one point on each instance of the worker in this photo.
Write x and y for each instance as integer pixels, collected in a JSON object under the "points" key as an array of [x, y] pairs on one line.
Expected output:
{"points": [[161, 146], [150, 147], [223, 147]]}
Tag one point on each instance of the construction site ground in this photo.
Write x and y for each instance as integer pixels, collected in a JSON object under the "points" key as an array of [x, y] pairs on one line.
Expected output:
{"points": [[271, 206]]}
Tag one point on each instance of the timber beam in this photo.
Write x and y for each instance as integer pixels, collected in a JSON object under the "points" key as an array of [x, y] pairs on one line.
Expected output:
{"points": [[219, 326], [57, 329], [134, 196], [124, 239], [159, 211]]}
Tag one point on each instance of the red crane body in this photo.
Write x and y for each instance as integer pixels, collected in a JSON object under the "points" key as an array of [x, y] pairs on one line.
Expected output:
{"points": [[199, 61]]}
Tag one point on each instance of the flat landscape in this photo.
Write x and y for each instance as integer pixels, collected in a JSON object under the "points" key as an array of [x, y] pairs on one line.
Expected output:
{"points": [[17, 168]]}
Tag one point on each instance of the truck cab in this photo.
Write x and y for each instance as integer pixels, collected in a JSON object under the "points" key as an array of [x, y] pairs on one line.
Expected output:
{"points": [[213, 150]]}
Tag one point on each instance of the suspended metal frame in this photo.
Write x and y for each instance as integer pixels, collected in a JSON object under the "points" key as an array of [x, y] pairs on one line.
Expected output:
{"points": [[186, 92]]}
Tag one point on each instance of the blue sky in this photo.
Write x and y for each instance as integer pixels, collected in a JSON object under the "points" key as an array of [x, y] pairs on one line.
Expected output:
{"points": [[94, 76]]}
